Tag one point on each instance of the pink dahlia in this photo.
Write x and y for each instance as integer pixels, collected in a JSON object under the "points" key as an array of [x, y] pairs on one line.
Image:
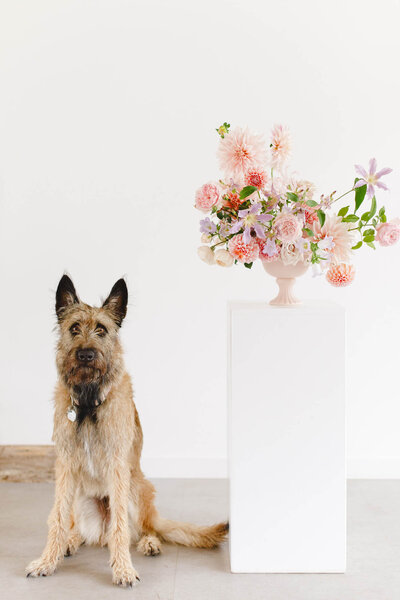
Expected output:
{"points": [[244, 253], [340, 275], [240, 150], [280, 145], [388, 234], [207, 196], [256, 176], [342, 238]]}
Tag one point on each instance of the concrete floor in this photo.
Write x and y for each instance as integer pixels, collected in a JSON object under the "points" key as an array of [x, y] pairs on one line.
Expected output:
{"points": [[186, 574]]}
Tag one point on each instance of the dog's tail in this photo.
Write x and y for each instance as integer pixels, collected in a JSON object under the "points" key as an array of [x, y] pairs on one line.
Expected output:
{"points": [[186, 534]]}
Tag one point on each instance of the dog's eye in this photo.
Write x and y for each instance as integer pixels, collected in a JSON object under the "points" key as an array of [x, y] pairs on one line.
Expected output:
{"points": [[75, 329], [101, 330]]}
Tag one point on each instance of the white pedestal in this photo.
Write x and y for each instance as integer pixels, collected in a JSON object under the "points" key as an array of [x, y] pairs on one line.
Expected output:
{"points": [[286, 381]]}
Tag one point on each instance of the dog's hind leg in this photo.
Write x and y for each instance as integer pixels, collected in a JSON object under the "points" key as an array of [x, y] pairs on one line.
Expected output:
{"points": [[149, 545], [75, 540], [155, 527], [90, 522]]}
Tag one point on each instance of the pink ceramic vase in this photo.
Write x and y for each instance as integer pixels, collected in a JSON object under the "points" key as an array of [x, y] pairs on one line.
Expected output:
{"points": [[285, 278]]}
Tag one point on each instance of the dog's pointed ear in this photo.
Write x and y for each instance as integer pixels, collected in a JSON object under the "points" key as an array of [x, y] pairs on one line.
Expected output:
{"points": [[117, 301], [65, 295]]}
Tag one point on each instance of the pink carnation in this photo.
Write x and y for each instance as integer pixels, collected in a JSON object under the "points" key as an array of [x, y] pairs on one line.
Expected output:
{"points": [[207, 196], [310, 215], [256, 177], [340, 275], [244, 253], [288, 227], [388, 234]]}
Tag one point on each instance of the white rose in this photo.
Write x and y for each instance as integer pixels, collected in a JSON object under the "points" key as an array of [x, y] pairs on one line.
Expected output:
{"points": [[206, 254], [289, 254], [223, 258]]}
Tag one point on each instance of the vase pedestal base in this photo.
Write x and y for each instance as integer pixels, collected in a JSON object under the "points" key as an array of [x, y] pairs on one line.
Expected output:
{"points": [[285, 296], [285, 278]]}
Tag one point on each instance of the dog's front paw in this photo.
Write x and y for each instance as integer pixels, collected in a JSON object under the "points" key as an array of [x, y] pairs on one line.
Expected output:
{"points": [[40, 567], [125, 576]]}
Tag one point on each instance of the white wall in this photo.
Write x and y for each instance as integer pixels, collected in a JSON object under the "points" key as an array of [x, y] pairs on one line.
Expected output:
{"points": [[108, 112]]}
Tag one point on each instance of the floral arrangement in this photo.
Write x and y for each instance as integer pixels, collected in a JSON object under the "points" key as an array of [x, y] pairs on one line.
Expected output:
{"points": [[259, 210]]}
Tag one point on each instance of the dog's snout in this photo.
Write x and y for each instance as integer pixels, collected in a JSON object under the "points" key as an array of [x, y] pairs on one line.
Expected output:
{"points": [[86, 354]]}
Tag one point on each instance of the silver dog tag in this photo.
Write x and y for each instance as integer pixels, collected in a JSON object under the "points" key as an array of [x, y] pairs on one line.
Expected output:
{"points": [[71, 414]]}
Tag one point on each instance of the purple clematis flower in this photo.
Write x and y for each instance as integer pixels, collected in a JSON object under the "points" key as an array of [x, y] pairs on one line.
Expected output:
{"points": [[371, 179], [270, 248], [224, 229], [207, 226], [250, 220]]}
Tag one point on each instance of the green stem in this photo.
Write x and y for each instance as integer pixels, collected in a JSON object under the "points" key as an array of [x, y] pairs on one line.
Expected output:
{"points": [[215, 245], [362, 227], [343, 195]]}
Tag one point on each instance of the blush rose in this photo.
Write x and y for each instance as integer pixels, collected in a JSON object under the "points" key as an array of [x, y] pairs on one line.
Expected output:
{"points": [[288, 227], [388, 234], [207, 197]]}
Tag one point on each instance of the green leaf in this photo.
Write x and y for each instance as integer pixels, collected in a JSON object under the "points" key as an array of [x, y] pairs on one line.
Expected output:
{"points": [[381, 211], [245, 204], [359, 194], [308, 231], [383, 218], [248, 265], [343, 211], [321, 217], [311, 203], [369, 238], [220, 215], [367, 216], [350, 219], [247, 191], [357, 246], [369, 232], [371, 245], [293, 197]]}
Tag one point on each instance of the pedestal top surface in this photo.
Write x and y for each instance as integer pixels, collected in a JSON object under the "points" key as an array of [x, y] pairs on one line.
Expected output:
{"points": [[305, 306]]}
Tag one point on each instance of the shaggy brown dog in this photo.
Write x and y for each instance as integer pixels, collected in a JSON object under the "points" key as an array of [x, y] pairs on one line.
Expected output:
{"points": [[102, 496]]}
